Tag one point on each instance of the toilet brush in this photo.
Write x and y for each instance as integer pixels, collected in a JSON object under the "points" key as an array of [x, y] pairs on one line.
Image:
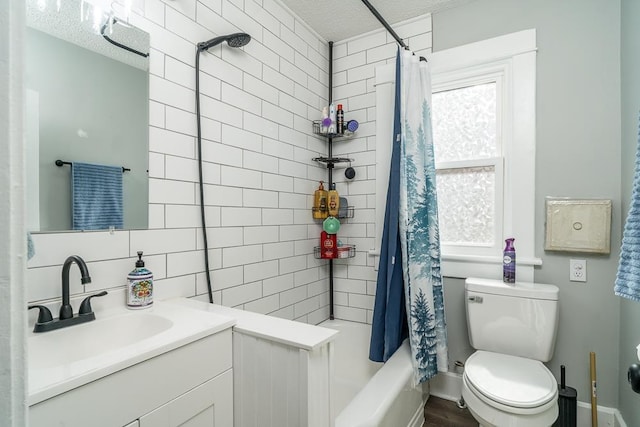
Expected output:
{"points": [[567, 403]]}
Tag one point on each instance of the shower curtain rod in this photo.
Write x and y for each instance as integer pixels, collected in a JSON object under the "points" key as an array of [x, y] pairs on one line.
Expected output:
{"points": [[386, 25]]}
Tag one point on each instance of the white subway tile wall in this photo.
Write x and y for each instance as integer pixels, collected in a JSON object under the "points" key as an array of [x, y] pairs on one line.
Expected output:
{"points": [[257, 107]]}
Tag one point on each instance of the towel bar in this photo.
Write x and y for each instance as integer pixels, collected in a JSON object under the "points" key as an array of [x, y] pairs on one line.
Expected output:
{"points": [[61, 163]]}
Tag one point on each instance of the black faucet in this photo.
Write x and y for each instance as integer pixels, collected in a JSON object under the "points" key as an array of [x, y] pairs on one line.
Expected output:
{"points": [[66, 311], [46, 322]]}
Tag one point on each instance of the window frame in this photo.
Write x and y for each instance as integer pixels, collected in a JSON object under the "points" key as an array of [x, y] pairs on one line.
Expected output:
{"points": [[512, 59]]}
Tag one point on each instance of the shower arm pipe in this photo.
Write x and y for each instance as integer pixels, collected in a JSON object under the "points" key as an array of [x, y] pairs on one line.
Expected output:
{"points": [[201, 183], [233, 40], [385, 24]]}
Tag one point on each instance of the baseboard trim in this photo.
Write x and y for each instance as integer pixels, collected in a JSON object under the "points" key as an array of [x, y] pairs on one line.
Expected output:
{"points": [[607, 417], [619, 420], [446, 385], [418, 418]]}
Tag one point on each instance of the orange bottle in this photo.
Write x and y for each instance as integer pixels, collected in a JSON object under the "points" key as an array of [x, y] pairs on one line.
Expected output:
{"points": [[320, 202], [333, 201]]}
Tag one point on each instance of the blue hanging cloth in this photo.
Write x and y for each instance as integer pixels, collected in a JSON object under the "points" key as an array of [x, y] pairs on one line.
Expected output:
{"points": [[627, 282], [96, 196], [389, 326]]}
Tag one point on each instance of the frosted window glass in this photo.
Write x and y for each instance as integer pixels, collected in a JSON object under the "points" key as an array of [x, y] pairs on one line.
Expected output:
{"points": [[466, 200], [464, 123]]}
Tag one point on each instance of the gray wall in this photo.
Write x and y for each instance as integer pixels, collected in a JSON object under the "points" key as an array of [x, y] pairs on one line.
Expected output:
{"points": [[107, 99], [630, 88], [578, 155]]}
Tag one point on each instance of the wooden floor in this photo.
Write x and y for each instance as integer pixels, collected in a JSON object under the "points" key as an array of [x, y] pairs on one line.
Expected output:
{"points": [[444, 413]]}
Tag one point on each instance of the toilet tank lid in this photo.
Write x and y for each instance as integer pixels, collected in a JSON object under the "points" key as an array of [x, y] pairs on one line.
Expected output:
{"points": [[518, 289]]}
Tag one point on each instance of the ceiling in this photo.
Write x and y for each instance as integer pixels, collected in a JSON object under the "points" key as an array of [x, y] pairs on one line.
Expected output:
{"points": [[336, 20]]}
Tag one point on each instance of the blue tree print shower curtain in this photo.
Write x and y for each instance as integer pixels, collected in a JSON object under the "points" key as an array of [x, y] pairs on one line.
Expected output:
{"points": [[418, 220], [412, 210]]}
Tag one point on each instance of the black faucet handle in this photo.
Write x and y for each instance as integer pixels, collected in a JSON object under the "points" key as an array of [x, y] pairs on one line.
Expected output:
{"points": [[44, 315], [85, 305]]}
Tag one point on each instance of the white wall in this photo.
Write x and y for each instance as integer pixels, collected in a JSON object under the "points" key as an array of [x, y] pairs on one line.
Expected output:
{"points": [[12, 219], [257, 107], [577, 155]]}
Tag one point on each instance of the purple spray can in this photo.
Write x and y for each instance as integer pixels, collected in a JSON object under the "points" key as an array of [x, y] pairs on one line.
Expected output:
{"points": [[509, 262]]}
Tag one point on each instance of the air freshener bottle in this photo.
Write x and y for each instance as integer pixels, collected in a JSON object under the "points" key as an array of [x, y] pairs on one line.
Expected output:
{"points": [[509, 262], [139, 286]]}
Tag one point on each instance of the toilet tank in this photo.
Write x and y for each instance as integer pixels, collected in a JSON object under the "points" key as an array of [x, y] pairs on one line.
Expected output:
{"points": [[520, 320]]}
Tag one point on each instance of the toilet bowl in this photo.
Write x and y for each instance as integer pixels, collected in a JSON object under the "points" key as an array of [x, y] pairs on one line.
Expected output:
{"points": [[509, 391]]}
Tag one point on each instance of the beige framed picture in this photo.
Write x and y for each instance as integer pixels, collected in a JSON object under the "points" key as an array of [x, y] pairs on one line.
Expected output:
{"points": [[578, 225]]}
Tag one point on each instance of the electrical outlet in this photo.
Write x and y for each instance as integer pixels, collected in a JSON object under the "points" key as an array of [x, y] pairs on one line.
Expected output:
{"points": [[578, 270]]}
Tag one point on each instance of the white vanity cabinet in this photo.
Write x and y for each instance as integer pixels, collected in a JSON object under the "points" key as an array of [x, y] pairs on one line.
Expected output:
{"points": [[208, 405], [191, 385]]}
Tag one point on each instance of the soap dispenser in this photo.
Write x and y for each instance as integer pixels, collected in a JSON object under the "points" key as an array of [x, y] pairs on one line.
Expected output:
{"points": [[139, 286]]}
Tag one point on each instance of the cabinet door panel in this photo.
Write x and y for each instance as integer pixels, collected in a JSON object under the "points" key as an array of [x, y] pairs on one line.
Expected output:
{"points": [[208, 405]]}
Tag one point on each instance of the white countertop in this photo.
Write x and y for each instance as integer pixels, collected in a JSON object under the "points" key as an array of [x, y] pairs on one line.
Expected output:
{"points": [[283, 331], [179, 325]]}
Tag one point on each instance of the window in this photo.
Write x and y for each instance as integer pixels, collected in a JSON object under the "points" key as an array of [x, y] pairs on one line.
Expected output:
{"points": [[483, 116], [468, 152]]}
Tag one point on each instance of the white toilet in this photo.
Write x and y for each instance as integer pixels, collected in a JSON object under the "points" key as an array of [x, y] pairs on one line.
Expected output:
{"points": [[513, 329]]}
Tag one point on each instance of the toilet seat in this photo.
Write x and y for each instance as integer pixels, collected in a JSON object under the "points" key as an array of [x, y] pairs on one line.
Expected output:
{"points": [[510, 383]]}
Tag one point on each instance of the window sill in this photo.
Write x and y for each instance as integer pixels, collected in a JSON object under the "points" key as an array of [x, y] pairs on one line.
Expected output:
{"points": [[463, 266]]}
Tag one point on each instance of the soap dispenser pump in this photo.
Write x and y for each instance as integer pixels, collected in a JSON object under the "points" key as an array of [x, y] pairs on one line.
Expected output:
{"points": [[139, 286]]}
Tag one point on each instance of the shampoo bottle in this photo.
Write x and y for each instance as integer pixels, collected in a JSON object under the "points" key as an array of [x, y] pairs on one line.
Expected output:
{"points": [[332, 117], [139, 286], [509, 262], [320, 202], [334, 201], [326, 122]]}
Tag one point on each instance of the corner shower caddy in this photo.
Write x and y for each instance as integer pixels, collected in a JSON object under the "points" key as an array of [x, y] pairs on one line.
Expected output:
{"points": [[330, 163]]}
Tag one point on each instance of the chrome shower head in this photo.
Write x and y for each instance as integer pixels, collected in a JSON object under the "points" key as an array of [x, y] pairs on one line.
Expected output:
{"points": [[233, 40]]}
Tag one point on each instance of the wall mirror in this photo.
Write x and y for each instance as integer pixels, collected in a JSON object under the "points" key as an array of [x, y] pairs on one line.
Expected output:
{"points": [[87, 101]]}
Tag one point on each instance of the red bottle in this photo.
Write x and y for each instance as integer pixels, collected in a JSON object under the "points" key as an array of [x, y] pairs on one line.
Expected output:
{"points": [[328, 246]]}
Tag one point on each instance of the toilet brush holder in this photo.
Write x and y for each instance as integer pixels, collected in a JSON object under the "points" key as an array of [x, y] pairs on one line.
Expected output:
{"points": [[567, 403]]}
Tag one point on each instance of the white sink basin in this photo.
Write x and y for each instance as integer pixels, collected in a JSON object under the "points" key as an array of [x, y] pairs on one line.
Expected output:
{"points": [[66, 358], [88, 340]]}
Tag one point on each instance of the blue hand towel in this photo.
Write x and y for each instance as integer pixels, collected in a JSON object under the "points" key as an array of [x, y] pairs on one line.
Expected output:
{"points": [[31, 248], [628, 278], [96, 196]]}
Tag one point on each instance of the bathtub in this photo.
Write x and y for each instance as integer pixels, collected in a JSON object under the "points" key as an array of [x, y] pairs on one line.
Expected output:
{"points": [[365, 393]]}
